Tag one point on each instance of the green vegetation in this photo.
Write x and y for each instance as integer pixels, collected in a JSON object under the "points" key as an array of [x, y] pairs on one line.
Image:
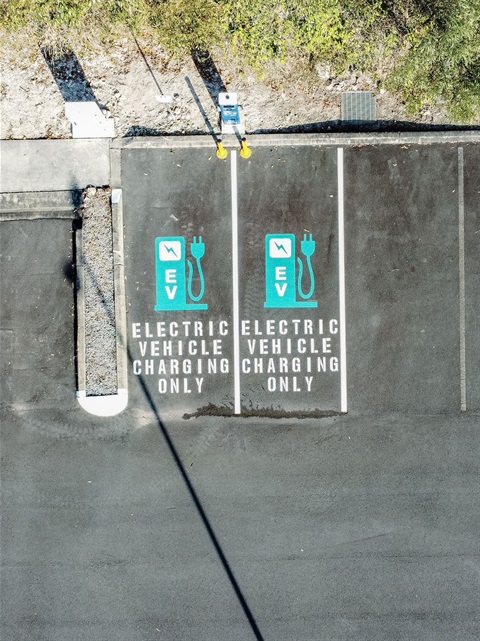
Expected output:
{"points": [[442, 56], [426, 50]]}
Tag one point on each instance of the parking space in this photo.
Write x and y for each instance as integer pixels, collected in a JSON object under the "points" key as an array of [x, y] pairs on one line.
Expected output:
{"points": [[37, 314], [178, 267], [289, 305], [470, 164], [403, 286]]}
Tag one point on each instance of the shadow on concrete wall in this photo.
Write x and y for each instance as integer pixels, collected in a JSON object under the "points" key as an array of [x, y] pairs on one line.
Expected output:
{"points": [[321, 127], [374, 126]]}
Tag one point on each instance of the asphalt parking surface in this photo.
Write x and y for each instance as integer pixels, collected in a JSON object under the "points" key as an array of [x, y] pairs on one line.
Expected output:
{"points": [[356, 527]]}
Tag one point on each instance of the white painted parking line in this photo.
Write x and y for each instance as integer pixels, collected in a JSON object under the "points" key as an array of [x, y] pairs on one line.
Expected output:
{"points": [[341, 280], [235, 287], [461, 274]]}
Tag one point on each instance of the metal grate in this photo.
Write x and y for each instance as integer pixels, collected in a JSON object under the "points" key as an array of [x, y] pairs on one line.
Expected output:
{"points": [[358, 106]]}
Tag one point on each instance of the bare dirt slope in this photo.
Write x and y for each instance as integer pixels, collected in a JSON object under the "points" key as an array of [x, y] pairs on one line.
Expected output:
{"points": [[134, 86]]}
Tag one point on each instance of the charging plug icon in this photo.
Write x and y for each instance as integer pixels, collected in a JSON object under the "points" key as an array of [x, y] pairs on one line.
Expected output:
{"points": [[307, 247], [281, 282], [172, 285], [197, 249]]}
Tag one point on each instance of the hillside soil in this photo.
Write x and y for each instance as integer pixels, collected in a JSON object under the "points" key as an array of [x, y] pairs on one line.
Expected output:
{"points": [[148, 93]]}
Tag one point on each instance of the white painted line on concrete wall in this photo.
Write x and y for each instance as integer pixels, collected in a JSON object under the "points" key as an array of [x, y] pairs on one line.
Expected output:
{"points": [[341, 279], [461, 273], [235, 287]]}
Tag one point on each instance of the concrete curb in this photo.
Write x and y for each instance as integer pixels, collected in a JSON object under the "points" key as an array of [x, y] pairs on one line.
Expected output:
{"points": [[80, 313], [6, 216], [119, 273], [108, 405], [289, 140], [39, 205]]}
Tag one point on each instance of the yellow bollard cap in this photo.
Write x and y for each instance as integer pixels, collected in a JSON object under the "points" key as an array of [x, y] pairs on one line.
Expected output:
{"points": [[245, 151], [222, 153]]}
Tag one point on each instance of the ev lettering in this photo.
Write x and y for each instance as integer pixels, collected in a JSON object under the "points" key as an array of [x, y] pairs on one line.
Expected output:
{"points": [[280, 274], [171, 277]]}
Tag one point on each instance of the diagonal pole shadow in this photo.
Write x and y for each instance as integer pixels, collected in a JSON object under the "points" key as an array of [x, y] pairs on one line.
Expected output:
{"points": [[209, 73], [202, 110], [162, 94], [183, 473], [69, 75], [200, 509]]}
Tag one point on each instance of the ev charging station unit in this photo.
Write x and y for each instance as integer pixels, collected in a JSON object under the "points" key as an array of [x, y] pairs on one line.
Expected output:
{"points": [[231, 114]]}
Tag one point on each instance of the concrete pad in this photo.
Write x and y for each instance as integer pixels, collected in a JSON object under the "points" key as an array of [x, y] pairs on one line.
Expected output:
{"points": [[39, 205], [44, 201], [53, 165], [88, 121]]}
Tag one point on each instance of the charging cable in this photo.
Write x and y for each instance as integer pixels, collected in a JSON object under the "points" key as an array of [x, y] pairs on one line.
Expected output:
{"points": [[198, 250], [307, 247]]}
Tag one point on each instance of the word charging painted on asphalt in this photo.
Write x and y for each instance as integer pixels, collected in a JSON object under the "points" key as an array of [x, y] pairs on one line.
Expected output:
{"points": [[289, 355]]}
